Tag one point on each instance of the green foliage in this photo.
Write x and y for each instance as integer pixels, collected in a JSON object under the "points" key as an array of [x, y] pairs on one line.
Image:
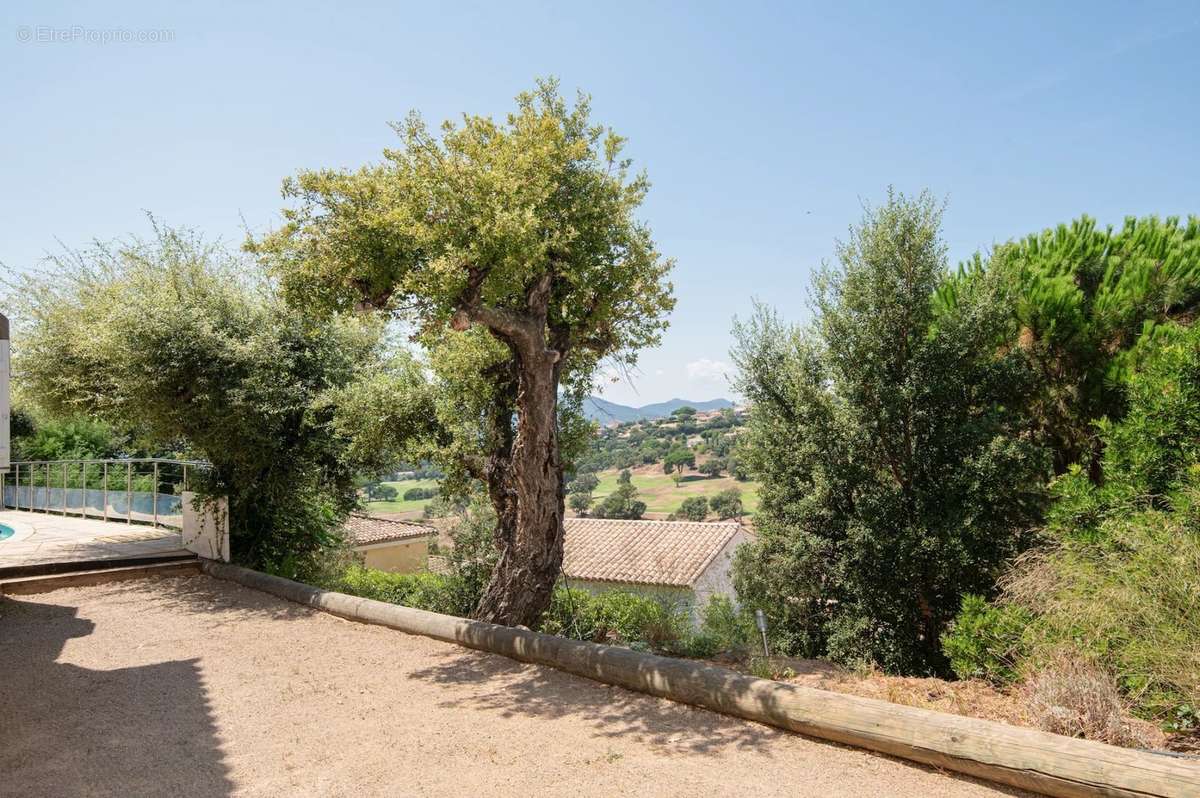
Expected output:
{"points": [[1077, 302], [77, 438], [712, 467], [579, 492], [896, 475], [415, 494], [727, 504], [622, 502], [180, 342], [584, 483], [731, 630], [617, 616], [525, 231], [694, 508], [424, 591], [677, 459], [383, 493], [986, 641], [472, 558], [580, 502], [1115, 585], [649, 441]]}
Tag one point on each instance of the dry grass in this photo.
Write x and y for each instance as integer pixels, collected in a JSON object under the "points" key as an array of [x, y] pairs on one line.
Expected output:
{"points": [[972, 698], [1077, 703], [1076, 699]]}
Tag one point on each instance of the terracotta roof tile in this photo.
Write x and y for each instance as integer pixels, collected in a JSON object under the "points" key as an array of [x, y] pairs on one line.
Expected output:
{"points": [[672, 553], [364, 530]]}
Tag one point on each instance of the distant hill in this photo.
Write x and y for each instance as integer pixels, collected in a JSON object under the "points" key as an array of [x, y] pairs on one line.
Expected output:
{"points": [[603, 411]]}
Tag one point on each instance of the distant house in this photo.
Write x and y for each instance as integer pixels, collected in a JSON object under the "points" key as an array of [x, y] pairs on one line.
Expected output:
{"points": [[390, 544], [687, 561]]}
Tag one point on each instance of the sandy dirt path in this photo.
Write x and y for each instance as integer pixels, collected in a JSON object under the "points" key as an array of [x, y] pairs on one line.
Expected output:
{"points": [[197, 687]]}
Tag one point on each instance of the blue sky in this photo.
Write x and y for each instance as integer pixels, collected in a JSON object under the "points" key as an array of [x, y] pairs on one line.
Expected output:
{"points": [[764, 127]]}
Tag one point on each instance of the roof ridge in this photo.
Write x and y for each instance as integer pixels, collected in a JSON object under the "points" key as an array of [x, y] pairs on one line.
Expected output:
{"points": [[403, 521], [726, 522]]}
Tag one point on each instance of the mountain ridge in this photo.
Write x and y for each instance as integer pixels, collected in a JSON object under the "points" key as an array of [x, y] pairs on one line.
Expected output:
{"points": [[604, 411]]}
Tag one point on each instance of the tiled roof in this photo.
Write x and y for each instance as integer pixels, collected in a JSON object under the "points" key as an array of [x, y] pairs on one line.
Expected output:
{"points": [[364, 530], [672, 553]]}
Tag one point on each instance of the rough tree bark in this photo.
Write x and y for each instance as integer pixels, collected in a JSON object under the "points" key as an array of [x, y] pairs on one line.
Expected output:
{"points": [[531, 551]]}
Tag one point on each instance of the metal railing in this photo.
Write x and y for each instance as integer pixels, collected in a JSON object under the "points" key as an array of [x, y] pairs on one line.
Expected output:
{"points": [[136, 490]]}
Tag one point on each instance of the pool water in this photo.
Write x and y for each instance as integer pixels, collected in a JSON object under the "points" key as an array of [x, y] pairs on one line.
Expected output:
{"points": [[5, 531]]}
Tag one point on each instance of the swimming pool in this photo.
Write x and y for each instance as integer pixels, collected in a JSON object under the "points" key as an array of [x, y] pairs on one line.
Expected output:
{"points": [[5, 531]]}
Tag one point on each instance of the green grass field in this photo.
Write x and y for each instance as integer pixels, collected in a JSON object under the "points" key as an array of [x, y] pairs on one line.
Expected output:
{"points": [[661, 496], [655, 488], [401, 506]]}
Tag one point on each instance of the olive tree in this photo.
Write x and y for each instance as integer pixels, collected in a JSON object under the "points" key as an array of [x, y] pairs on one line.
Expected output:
{"points": [[896, 473], [182, 344], [525, 229]]}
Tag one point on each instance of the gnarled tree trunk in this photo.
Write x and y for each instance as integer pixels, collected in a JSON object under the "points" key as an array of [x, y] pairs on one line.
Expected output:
{"points": [[531, 550], [531, 554]]}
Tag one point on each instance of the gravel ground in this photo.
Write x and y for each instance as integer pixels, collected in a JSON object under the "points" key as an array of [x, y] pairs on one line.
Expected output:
{"points": [[197, 687]]}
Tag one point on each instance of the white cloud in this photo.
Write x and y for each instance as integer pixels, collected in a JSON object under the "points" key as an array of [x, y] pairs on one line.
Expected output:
{"points": [[705, 369]]}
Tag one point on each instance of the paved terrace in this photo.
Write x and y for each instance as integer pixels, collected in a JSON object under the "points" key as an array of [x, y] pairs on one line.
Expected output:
{"points": [[197, 687], [41, 538]]}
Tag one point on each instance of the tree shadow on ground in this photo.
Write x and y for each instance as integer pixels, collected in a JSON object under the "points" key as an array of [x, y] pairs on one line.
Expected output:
{"points": [[513, 688], [72, 731], [206, 595]]}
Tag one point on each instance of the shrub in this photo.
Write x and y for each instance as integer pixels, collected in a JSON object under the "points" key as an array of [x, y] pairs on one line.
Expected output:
{"points": [[416, 494], [381, 492], [622, 502], [1115, 583], [732, 630], [727, 504], [694, 508], [423, 591], [985, 641], [616, 616], [183, 342], [580, 502]]}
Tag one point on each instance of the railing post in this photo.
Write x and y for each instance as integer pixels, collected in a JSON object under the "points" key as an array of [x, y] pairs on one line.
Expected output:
{"points": [[64, 501], [154, 494], [104, 495], [129, 492], [17, 490]]}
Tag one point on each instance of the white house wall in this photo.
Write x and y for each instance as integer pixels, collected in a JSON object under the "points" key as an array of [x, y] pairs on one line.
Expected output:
{"points": [[717, 578]]}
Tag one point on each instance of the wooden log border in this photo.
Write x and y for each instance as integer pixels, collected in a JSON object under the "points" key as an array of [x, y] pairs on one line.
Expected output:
{"points": [[1033, 760]]}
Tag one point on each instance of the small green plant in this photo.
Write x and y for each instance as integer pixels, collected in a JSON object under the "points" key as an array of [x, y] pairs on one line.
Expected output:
{"points": [[985, 640], [425, 591], [762, 667], [618, 616], [731, 629]]}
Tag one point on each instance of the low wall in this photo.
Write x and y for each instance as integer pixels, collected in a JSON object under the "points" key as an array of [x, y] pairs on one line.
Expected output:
{"points": [[1033, 760]]}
